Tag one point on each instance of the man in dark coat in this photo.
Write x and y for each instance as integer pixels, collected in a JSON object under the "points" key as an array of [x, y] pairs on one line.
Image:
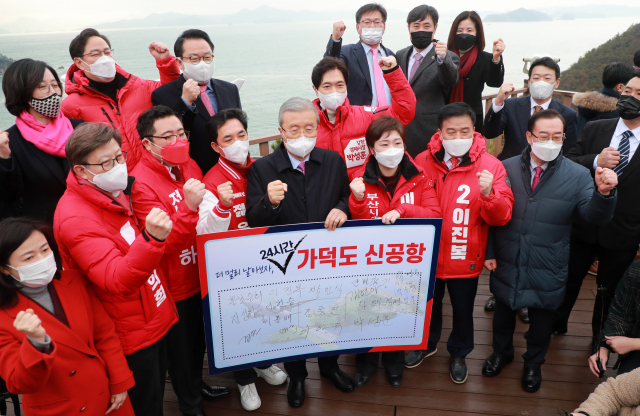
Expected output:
{"points": [[300, 183], [528, 256], [197, 92]]}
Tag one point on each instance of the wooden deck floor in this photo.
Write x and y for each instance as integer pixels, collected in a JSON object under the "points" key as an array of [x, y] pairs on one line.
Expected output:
{"points": [[428, 390]]}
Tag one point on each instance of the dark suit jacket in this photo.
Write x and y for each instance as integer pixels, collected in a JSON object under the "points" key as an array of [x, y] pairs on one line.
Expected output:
{"points": [[34, 176], [309, 198], [512, 121], [432, 85], [484, 71], [359, 85], [170, 95], [623, 231]]}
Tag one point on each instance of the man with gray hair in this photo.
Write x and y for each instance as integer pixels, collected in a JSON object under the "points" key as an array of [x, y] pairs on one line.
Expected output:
{"points": [[300, 183]]}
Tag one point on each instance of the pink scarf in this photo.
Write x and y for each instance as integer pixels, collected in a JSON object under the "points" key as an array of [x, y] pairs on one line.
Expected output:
{"points": [[50, 138]]}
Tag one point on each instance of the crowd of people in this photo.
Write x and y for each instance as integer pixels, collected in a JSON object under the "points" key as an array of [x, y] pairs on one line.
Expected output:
{"points": [[104, 192]]}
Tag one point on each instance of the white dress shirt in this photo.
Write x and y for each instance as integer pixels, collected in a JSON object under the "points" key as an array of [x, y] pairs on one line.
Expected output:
{"points": [[544, 105], [381, 54], [617, 137]]}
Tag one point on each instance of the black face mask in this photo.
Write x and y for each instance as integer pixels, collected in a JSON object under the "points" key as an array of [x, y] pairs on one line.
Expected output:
{"points": [[421, 39], [465, 41], [628, 107]]}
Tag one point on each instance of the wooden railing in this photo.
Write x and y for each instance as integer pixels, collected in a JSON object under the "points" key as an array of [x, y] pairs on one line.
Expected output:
{"points": [[492, 144]]}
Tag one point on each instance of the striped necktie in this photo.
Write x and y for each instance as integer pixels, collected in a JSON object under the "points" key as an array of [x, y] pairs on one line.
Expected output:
{"points": [[623, 148]]}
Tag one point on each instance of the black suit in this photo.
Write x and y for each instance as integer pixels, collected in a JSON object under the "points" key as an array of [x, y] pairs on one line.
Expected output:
{"points": [[484, 71], [512, 121], [34, 176], [359, 85], [170, 95], [615, 243], [309, 198]]}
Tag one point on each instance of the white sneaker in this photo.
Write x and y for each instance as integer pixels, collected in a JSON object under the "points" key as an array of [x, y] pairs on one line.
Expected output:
{"points": [[249, 397], [272, 375]]}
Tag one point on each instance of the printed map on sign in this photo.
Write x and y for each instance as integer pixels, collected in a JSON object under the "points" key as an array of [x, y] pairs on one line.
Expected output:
{"points": [[301, 290]]}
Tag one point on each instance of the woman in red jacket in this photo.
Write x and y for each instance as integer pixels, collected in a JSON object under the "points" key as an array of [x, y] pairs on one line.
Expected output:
{"points": [[390, 186], [58, 346]]}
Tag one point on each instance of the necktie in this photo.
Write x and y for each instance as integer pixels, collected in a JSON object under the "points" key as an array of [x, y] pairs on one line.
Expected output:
{"points": [[536, 179], [416, 65], [205, 99], [377, 74], [176, 172], [301, 166], [537, 108], [623, 148], [454, 162]]}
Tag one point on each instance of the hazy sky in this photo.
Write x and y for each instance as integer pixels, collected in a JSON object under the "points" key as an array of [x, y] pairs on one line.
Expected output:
{"points": [[100, 11]]}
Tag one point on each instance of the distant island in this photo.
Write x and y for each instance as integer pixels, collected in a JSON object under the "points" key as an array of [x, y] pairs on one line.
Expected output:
{"points": [[566, 17], [586, 73], [4, 63], [519, 15]]}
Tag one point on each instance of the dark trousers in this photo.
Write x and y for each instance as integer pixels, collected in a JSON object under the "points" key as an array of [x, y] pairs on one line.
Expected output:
{"points": [[611, 267], [462, 293], [540, 328], [297, 370], [247, 376], [630, 363], [392, 361], [149, 367], [185, 352]]}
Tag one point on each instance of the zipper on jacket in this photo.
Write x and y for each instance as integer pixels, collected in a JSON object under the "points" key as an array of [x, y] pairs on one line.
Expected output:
{"points": [[108, 118], [116, 108]]}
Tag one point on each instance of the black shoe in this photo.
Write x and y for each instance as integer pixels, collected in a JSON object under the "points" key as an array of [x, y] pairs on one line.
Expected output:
{"points": [[394, 380], [361, 380], [494, 364], [458, 370], [213, 393], [523, 314], [295, 393], [415, 357], [341, 380], [559, 328], [531, 379], [490, 306]]}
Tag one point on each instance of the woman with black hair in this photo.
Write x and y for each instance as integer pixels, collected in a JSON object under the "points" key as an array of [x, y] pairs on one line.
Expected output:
{"points": [[33, 166], [58, 346]]}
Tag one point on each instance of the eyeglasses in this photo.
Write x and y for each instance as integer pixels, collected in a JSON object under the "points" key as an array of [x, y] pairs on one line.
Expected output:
{"points": [[98, 54], [109, 164], [371, 23], [545, 138], [208, 58], [45, 88], [170, 139], [296, 133]]}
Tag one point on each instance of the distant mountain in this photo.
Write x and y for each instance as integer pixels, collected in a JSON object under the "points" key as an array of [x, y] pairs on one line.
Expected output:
{"points": [[29, 25], [592, 11], [3, 31], [566, 17], [520, 15], [586, 74], [4, 63]]}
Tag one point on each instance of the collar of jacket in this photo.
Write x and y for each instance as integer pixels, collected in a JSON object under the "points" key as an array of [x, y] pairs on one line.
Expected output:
{"points": [[324, 119], [97, 196], [156, 166], [283, 163], [590, 103], [477, 149], [525, 163], [372, 173], [77, 83], [610, 92]]}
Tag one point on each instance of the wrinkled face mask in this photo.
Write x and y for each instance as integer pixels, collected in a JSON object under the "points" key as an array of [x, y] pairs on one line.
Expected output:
{"points": [[628, 107], [237, 152], [300, 147], [200, 72], [421, 39], [332, 100], [104, 68], [546, 151], [47, 106], [457, 147], [174, 154], [465, 41], [390, 158], [541, 90], [115, 180], [372, 35], [37, 274]]}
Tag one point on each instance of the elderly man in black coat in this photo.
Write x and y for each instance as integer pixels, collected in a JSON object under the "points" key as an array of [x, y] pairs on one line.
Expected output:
{"points": [[528, 257], [300, 183]]}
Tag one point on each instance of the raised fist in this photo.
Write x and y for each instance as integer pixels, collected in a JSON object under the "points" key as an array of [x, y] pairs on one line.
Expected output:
{"points": [[190, 91], [338, 30], [606, 180], [485, 182], [388, 62], [498, 48], [29, 324], [357, 188], [441, 50], [158, 224], [225, 193], [276, 191], [193, 193], [159, 50], [505, 91]]}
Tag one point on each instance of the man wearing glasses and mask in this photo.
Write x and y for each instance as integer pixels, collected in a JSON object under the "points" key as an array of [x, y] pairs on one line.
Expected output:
{"points": [[197, 92]]}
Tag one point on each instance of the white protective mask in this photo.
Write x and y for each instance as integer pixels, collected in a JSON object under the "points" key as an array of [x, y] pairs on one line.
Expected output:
{"points": [[332, 100], [104, 68], [457, 147], [237, 152], [546, 151], [371, 35], [541, 90], [200, 72], [37, 274], [390, 158], [115, 180], [301, 147]]}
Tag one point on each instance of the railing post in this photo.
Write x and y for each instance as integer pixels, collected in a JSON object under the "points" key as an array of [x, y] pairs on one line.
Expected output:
{"points": [[264, 149]]}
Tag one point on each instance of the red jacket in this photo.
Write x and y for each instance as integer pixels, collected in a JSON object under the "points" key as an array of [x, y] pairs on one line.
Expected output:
{"points": [[86, 365], [222, 172], [414, 196], [347, 135], [134, 98], [100, 237], [466, 214], [155, 188]]}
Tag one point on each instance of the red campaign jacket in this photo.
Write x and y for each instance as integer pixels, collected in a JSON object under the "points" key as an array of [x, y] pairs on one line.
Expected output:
{"points": [[414, 196], [466, 214], [102, 239], [222, 172], [155, 188], [134, 98], [346, 136], [86, 365]]}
